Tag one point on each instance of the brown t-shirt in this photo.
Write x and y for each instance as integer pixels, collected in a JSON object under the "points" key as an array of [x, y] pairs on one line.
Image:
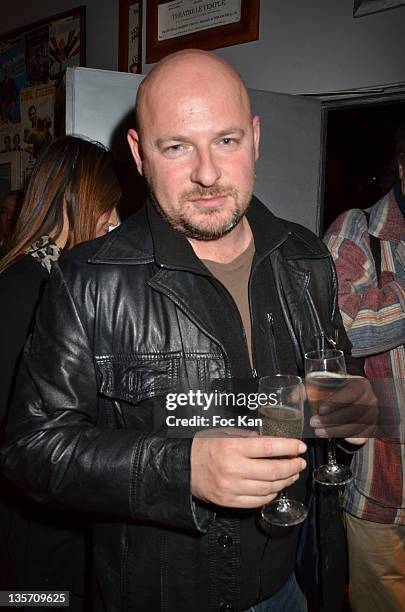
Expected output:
{"points": [[234, 276], [266, 562]]}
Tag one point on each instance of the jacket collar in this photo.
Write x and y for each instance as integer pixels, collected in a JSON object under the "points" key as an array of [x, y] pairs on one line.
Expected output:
{"points": [[146, 237], [174, 251], [386, 219]]}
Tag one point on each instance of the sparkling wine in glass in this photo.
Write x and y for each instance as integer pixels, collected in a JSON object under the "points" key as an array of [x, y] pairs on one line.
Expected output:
{"points": [[325, 373], [282, 417]]}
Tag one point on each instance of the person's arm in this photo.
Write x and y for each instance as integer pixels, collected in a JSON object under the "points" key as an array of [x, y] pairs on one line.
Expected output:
{"points": [[373, 316], [352, 415], [20, 289], [57, 452]]}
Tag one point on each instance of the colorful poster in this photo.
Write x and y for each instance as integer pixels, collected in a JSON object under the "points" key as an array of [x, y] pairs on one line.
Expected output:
{"points": [[64, 51], [12, 79], [37, 120], [64, 45], [36, 55]]}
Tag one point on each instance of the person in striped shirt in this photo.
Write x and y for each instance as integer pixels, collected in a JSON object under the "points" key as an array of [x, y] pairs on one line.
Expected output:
{"points": [[369, 253]]}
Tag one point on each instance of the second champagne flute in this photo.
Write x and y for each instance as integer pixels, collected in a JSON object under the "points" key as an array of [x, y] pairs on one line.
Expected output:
{"points": [[325, 373]]}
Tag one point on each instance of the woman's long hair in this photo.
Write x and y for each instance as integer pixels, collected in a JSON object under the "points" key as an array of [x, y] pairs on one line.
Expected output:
{"points": [[72, 177]]}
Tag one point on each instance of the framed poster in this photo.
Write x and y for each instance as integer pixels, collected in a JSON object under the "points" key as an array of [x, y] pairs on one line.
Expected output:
{"points": [[130, 36], [367, 7], [172, 25], [38, 54]]}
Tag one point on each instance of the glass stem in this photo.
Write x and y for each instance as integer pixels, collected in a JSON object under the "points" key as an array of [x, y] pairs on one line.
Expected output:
{"points": [[331, 453]]}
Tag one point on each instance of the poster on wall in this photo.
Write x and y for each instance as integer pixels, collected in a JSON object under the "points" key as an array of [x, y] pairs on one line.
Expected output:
{"points": [[12, 79], [36, 55], [10, 138], [64, 44], [37, 121], [33, 62], [65, 47]]}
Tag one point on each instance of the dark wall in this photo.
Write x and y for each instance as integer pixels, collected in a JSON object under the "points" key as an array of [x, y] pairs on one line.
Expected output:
{"points": [[359, 156]]}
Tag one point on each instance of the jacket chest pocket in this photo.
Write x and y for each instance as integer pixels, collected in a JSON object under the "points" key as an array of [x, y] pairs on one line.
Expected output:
{"points": [[134, 378]]}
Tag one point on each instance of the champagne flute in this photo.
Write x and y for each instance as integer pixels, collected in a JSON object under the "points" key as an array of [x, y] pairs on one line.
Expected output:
{"points": [[325, 373], [282, 417]]}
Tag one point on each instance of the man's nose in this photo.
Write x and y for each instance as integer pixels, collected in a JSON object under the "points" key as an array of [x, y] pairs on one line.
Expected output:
{"points": [[206, 170]]}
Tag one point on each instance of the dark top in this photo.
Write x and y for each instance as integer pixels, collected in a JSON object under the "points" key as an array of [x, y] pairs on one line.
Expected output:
{"points": [[21, 287], [40, 548]]}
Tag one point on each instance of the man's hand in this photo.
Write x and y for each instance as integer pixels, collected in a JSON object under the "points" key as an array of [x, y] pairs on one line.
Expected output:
{"points": [[247, 471], [350, 412]]}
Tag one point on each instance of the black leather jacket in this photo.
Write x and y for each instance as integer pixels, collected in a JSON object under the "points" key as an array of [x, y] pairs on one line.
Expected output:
{"points": [[124, 320]]}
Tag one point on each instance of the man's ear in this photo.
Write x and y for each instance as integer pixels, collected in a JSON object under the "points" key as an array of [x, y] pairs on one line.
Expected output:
{"points": [[135, 146], [401, 170]]}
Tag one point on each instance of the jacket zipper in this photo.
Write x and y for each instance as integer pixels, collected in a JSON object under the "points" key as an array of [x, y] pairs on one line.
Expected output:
{"points": [[322, 333], [272, 343], [253, 368]]}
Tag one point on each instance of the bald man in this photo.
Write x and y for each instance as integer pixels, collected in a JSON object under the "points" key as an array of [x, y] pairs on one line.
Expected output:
{"points": [[203, 287]]}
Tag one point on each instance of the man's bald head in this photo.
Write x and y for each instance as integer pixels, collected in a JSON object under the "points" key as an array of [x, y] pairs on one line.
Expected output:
{"points": [[196, 143], [190, 66]]}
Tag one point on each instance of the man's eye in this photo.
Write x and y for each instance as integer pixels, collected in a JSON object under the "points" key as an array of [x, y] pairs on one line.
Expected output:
{"points": [[176, 148], [228, 141]]}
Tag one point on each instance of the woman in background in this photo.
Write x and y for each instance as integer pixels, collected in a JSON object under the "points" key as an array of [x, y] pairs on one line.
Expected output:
{"points": [[71, 197]]}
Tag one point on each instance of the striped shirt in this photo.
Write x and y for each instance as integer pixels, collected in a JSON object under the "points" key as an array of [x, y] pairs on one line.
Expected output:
{"points": [[373, 312]]}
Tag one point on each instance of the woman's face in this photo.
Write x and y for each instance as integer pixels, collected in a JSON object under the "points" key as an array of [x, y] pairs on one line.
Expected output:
{"points": [[107, 222]]}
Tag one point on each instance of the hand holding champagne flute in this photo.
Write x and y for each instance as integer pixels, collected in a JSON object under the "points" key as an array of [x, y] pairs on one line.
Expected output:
{"points": [[325, 373], [282, 417]]}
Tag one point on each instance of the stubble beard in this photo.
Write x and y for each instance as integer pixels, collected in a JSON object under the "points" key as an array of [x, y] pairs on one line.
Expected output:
{"points": [[211, 228]]}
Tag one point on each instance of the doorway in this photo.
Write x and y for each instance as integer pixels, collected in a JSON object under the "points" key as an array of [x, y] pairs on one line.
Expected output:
{"points": [[359, 159]]}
